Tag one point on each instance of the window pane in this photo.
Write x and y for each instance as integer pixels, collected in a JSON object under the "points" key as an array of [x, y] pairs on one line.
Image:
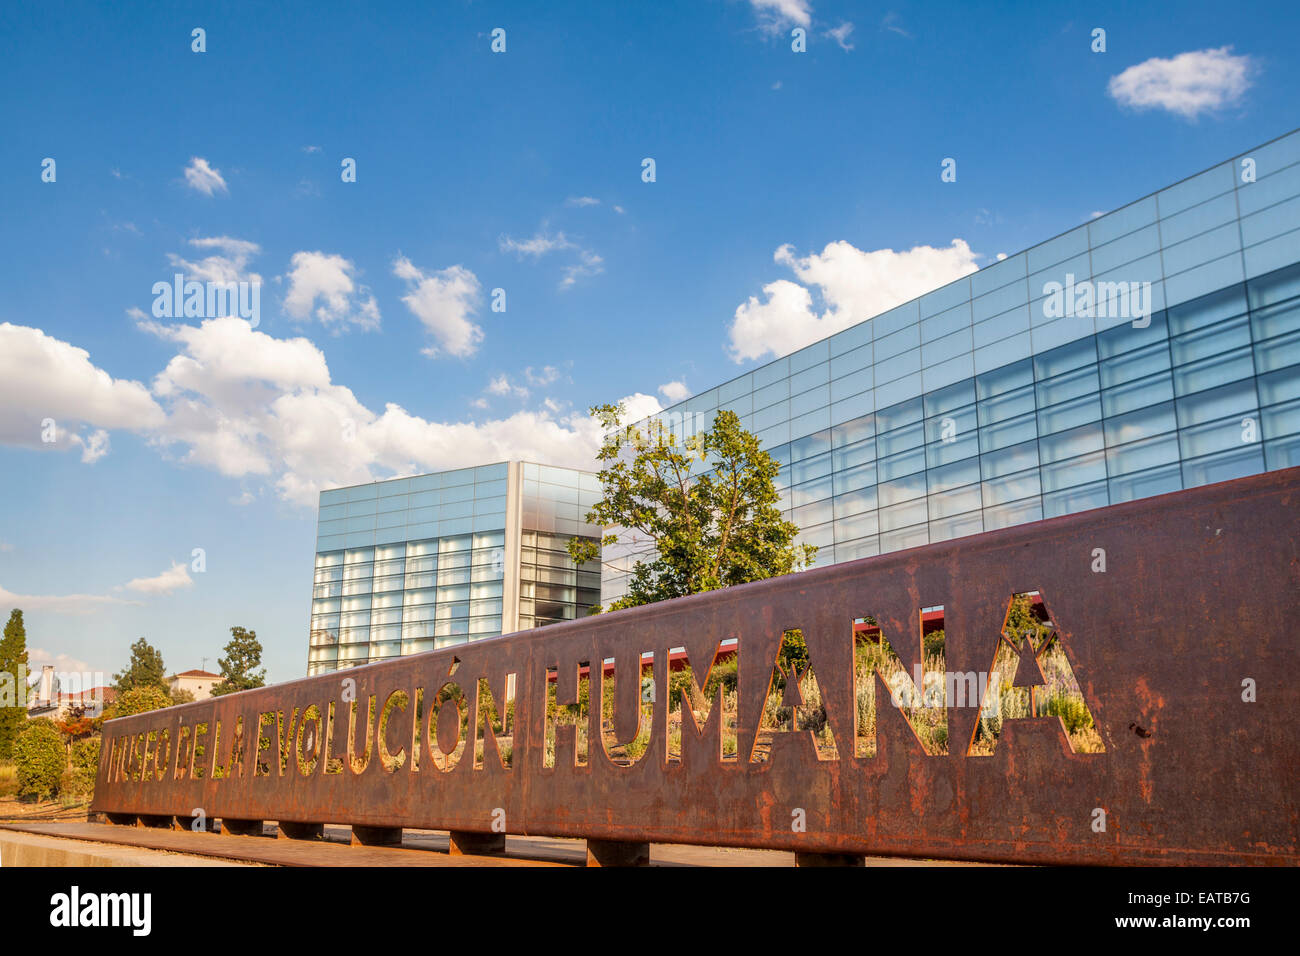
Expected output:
{"points": [[1074, 500], [1008, 433], [1009, 460], [1157, 481], [1140, 394], [1140, 424], [1069, 444], [1080, 411]]}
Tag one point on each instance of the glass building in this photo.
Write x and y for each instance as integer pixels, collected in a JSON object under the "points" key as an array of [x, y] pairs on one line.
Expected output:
{"points": [[413, 564], [980, 405]]}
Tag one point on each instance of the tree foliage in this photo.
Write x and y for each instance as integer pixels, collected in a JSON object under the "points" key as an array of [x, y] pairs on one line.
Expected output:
{"points": [[40, 759], [76, 724], [85, 765], [243, 655], [13, 659], [138, 700], [145, 668], [707, 502]]}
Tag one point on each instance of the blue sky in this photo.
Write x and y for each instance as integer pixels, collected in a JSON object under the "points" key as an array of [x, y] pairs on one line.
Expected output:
{"points": [[793, 193]]}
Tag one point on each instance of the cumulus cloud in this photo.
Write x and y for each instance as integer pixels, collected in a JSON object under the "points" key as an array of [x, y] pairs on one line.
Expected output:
{"points": [[173, 579], [51, 390], [501, 385], [1201, 81], [852, 285], [777, 15], [249, 405], [265, 411], [674, 392], [227, 260], [315, 277], [38, 657], [200, 176], [445, 302]]}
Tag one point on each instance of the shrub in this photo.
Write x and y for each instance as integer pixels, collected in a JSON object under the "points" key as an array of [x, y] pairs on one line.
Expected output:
{"points": [[139, 700], [85, 765], [40, 759]]}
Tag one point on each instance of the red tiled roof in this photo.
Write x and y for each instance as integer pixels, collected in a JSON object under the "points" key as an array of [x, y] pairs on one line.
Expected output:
{"points": [[196, 674]]}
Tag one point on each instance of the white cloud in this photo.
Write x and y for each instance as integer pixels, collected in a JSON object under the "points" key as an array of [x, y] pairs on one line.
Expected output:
{"points": [[1187, 85], [250, 406], [535, 246], [202, 177], [173, 579], [890, 21], [445, 302], [50, 388], [311, 149], [853, 285], [543, 376], [62, 603], [501, 385], [244, 403], [229, 263], [776, 15], [93, 446], [674, 392], [38, 657], [588, 264], [316, 276], [170, 580], [840, 35], [582, 201]]}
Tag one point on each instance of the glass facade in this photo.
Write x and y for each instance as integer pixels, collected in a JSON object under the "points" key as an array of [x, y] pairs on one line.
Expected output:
{"points": [[979, 406], [413, 564]]}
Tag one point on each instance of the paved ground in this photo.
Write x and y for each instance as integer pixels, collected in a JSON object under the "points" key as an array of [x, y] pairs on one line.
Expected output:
{"points": [[32, 849], [419, 848]]}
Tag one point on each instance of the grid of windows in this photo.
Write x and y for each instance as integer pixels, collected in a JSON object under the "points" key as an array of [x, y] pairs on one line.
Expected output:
{"points": [[443, 504], [551, 587], [373, 603], [1208, 232], [975, 407], [414, 564], [558, 500], [1209, 391]]}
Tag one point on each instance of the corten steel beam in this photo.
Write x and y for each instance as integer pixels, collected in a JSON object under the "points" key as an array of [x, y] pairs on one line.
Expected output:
{"points": [[1199, 597]]}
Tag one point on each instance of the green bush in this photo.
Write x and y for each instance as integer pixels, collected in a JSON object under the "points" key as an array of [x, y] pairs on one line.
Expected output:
{"points": [[85, 765], [40, 759], [139, 700]]}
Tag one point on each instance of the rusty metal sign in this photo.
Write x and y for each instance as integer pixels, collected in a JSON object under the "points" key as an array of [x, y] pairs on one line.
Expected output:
{"points": [[1113, 687]]}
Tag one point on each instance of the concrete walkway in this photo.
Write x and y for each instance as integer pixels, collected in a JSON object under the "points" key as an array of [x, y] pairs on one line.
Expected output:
{"points": [[70, 844]]}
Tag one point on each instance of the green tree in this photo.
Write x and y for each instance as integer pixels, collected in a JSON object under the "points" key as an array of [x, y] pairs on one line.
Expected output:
{"points": [[13, 682], [707, 502], [145, 669], [85, 765], [243, 654], [138, 700], [40, 758]]}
